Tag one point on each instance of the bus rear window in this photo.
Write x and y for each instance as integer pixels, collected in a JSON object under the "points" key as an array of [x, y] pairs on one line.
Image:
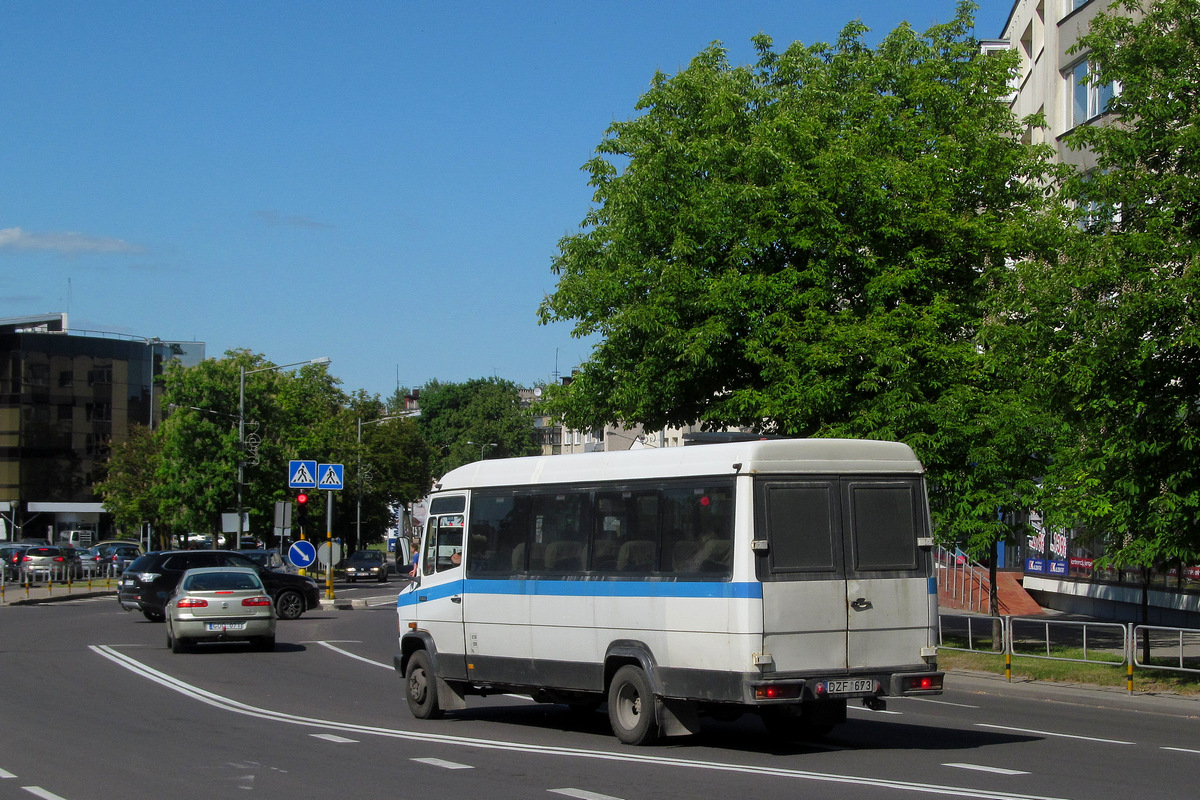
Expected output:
{"points": [[885, 527]]}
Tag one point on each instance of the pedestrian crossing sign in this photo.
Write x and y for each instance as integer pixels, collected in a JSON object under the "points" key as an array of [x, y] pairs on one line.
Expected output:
{"points": [[302, 474], [329, 476]]}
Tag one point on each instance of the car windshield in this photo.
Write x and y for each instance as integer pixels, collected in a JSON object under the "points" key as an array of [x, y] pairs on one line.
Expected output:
{"points": [[366, 555]]}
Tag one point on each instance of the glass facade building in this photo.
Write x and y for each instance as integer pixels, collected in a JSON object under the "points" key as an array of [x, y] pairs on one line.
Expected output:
{"points": [[65, 398]]}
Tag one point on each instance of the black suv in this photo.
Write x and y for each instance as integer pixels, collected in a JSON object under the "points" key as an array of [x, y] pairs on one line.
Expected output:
{"points": [[147, 584]]}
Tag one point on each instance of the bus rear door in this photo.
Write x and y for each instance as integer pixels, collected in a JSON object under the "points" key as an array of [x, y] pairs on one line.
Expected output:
{"points": [[845, 586], [887, 587]]}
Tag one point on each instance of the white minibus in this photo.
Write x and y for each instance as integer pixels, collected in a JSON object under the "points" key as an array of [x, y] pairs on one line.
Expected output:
{"points": [[781, 577]]}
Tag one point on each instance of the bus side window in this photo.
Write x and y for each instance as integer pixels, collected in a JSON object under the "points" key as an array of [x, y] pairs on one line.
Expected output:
{"points": [[499, 528], [560, 532], [698, 530], [443, 544]]}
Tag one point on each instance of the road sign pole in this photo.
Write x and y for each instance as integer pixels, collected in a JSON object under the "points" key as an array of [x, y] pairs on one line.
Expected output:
{"points": [[329, 540]]}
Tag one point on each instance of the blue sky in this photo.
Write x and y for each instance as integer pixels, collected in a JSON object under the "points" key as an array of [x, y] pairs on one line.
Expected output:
{"points": [[382, 183]]}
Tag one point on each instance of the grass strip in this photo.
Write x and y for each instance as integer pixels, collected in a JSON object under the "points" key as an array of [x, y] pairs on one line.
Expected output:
{"points": [[1096, 674]]}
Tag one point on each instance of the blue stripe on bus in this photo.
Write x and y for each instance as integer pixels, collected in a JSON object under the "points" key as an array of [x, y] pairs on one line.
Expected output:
{"points": [[552, 588]]}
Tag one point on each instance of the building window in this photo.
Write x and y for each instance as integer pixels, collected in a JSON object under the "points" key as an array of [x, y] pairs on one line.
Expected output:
{"points": [[1073, 5], [1088, 98], [99, 412], [100, 375]]}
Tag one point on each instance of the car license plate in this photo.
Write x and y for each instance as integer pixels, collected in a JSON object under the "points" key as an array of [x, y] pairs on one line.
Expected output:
{"points": [[850, 686], [226, 626]]}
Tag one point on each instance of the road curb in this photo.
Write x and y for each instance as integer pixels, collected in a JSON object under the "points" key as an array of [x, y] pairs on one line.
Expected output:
{"points": [[44, 596]]}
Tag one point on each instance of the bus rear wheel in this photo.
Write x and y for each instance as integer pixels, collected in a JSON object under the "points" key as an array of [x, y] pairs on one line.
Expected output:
{"points": [[631, 707], [421, 687]]}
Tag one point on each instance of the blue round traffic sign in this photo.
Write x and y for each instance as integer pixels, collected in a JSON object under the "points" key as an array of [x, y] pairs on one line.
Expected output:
{"points": [[302, 553]]}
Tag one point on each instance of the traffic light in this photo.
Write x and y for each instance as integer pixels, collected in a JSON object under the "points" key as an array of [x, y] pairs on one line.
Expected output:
{"points": [[301, 510]]}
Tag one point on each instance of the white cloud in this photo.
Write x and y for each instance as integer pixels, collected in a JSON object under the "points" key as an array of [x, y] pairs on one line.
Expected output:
{"points": [[66, 242]]}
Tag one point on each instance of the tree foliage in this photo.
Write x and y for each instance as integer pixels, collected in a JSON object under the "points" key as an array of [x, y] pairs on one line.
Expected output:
{"points": [[129, 488], [806, 247], [462, 421], [1112, 326], [185, 475]]}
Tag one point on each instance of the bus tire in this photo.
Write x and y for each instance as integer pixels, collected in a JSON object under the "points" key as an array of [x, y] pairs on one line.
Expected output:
{"points": [[420, 687], [631, 707]]}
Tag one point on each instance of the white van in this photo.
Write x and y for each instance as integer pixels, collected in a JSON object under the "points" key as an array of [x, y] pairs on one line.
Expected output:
{"points": [[82, 539], [779, 577]]}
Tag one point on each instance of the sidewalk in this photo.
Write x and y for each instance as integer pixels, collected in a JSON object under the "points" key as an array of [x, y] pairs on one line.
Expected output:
{"points": [[16, 594]]}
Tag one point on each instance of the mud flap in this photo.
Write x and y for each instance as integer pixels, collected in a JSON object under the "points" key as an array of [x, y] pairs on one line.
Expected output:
{"points": [[450, 695], [676, 717]]}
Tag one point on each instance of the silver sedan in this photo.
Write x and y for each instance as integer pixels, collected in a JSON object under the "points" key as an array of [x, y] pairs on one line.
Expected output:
{"points": [[220, 604]]}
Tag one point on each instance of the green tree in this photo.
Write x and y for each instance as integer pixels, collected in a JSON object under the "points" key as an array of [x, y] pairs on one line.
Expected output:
{"points": [[462, 420], [293, 414], [392, 469], [806, 247], [1113, 324], [130, 486]]}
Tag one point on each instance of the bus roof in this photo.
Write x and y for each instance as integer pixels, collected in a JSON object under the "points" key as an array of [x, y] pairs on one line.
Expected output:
{"points": [[772, 456]]}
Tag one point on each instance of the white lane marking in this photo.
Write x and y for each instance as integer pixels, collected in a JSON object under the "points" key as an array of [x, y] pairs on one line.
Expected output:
{"points": [[443, 763], [982, 768], [352, 655], [582, 795], [329, 737], [938, 702], [1181, 750], [6, 774], [218, 701], [38, 791], [1050, 733]]}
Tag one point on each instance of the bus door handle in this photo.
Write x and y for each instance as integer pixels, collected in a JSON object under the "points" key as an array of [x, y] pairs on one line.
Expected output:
{"points": [[456, 599], [861, 604]]}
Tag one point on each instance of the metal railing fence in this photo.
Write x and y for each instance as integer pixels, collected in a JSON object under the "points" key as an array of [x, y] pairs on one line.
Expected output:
{"points": [[1112, 644], [965, 580], [1184, 642]]}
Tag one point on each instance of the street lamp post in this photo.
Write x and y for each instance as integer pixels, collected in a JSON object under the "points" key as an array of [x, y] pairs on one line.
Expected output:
{"points": [[484, 447], [242, 430]]}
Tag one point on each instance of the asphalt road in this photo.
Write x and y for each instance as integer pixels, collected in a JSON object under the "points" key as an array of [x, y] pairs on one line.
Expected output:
{"points": [[95, 706]]}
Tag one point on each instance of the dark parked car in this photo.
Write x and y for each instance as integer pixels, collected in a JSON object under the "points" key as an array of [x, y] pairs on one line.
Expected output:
{"points": [[367, 564], [114, 557], [147, 584], [10, 559]]}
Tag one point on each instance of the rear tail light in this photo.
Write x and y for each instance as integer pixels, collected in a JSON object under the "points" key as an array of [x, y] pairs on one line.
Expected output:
{"points": [[256, 601], [193, 602], [922, 683], [772, 691]]}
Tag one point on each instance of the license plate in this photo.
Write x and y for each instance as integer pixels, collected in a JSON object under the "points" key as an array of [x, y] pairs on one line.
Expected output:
{"points": [[226, 626], [850, 686]]}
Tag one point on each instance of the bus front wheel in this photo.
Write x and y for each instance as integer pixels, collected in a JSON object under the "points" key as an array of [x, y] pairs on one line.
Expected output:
{"points": [[631, 707], [421, 687]]}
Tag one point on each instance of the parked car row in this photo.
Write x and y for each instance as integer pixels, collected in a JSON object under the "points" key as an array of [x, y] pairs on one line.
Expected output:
{"points": [[37, 560]]}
